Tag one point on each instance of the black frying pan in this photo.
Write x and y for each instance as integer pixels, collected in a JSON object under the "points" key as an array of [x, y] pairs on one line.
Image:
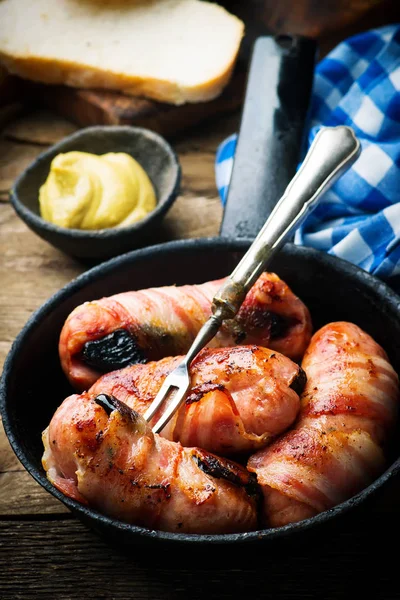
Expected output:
{"points": [[33, 384]]}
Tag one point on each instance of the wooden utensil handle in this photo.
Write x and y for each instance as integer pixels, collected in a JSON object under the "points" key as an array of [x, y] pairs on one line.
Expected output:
{"points": [[269, 143]]}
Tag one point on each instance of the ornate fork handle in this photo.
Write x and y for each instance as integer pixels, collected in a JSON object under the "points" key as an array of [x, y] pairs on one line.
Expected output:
{"points": [[332, 152]]}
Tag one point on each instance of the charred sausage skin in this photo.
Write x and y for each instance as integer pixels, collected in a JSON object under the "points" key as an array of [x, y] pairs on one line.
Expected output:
{"points": [[348, 409]]}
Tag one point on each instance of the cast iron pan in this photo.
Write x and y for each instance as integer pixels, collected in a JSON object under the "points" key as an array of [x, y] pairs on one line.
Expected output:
{"points": [[33, 384]]}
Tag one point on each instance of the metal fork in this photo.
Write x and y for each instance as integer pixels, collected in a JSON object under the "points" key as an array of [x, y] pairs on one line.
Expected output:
{"points": [[333, 151]]}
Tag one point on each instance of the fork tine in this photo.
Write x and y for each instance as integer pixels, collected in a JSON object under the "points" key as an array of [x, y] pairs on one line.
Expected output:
{"points": [[172, 408], [158, 400], [179, 378]]}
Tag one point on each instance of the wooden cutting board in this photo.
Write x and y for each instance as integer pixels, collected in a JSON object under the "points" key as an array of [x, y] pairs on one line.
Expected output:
{"points": [[92, 107]]}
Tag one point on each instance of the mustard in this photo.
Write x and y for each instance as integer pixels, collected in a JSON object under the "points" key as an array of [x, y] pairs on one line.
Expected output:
{"points": [[87, 191]]}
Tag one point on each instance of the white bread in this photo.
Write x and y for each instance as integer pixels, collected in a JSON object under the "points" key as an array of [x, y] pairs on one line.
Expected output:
{"points": [[171, 50]]}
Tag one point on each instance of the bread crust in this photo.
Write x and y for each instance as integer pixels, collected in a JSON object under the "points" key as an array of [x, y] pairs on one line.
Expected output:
{"points": [[53, 71]]}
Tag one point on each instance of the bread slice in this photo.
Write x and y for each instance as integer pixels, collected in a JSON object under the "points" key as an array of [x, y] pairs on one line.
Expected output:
{"points": [[171, 50]]}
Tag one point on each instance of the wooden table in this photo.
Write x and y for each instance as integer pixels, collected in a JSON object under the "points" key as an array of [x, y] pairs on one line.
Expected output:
{"points": [[46, 553]]}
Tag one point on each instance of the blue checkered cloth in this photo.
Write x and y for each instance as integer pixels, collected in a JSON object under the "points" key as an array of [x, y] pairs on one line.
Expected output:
{"points": [[358, 219]]}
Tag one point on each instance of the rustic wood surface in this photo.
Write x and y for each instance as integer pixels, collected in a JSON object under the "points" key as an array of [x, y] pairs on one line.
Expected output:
{"points": [[45, 552]]}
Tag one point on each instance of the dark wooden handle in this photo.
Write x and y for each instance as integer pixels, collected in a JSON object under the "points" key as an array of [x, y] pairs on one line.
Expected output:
{"points": [[273, 120]]}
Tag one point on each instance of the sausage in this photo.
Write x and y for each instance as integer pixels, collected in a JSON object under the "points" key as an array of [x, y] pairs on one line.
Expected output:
{"points": [[348, 409], [138, 327], [103, 454], [239, 400]]}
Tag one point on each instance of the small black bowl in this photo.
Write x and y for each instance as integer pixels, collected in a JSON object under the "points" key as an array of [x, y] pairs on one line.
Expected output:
{"points": [[153, 153]]}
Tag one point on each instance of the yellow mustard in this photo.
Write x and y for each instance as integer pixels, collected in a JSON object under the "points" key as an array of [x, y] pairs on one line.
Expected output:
{"points": [[87, 191]]}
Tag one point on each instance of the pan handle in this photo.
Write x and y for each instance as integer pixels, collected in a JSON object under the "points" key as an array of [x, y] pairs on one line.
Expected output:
{"points": [[271, 130]]}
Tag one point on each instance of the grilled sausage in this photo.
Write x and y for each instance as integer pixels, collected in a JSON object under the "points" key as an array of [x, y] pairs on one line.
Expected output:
{"points": [[240, 398], [348, 409], [103, 454], [137, 327]]}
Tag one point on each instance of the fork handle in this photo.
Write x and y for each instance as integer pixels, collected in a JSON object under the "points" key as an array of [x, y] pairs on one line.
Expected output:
{"points": [[333, 151]]}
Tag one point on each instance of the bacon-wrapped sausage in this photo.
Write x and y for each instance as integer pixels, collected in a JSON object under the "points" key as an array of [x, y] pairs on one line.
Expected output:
{"points": [[137, 327], [100, 452], [240, 398], [349, 406]]}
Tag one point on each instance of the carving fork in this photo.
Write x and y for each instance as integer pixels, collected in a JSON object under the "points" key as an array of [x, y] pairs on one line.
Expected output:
{"points": [[332, 152]]}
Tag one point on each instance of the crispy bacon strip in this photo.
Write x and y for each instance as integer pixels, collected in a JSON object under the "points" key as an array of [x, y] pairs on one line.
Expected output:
{"points": [[137, 327], [101, 453], [349, 406], [240, 398]]}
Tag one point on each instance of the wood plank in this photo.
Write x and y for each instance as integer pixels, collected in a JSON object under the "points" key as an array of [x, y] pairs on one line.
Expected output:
{"points": [[198, 173], [8, 461], [21, 495], [207, 137], [14, 158], [43, 127], [27, 277], [189, 217], [40, 127], [63, 560]]}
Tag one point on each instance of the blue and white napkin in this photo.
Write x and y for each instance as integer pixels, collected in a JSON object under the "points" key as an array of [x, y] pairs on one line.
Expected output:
{"points": [[358, 219]]}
